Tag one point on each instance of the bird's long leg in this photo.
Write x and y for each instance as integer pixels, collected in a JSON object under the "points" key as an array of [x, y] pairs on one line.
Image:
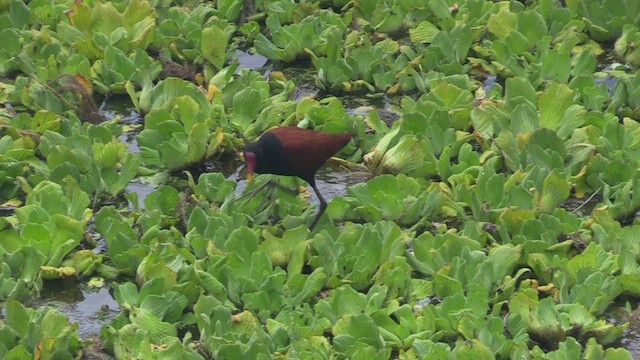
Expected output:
{"points": [[321, 209]]}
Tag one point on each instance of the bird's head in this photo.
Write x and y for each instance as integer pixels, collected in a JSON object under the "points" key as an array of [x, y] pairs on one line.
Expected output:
{"points": [[251, 162]]}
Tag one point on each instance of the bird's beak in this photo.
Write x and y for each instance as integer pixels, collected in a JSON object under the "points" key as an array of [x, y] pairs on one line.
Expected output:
{"points": [[250, 160]]}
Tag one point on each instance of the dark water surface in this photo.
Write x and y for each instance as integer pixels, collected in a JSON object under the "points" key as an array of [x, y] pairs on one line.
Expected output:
{"points": [[90, 308]]}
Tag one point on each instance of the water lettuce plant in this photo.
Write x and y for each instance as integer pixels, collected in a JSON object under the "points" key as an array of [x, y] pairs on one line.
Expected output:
{"points": [[44, 333], [40, 235], [290, 41]]}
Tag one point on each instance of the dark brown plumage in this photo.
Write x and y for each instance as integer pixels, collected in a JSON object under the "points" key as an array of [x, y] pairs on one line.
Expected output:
{"points": [[293, 151]]}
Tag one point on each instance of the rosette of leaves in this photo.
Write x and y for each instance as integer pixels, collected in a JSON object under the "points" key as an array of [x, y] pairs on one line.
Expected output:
{"points": [[527, 128], [624, 101], [451, 258], [44, 333], [360, 65], [16, 17], [314, 33], [447, 54], [127, 248], [179, 130], [39, 236], [96, 161], [227, 335], [605, 20], [398, 198], [19, 164], [392, 16], [591, 86], [43, 56], [516, 33], [548, 323], [65, 94], [223, 333], [350, 258], [9, 50], [220, 212], [117, 70], [610, 169], [94, 27], [254, 104], [626, 48], [398, 152], [425, 132], [151, 317], [196, 36]]}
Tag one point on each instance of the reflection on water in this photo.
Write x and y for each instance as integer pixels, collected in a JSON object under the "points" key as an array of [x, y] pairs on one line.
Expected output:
{"points": [[489, 82], [250, 61], [142, 190], [90, 308], [631, 338], [122, 107]]}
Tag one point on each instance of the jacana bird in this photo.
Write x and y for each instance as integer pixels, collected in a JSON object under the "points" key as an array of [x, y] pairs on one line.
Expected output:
{"points": [[293, 151]]}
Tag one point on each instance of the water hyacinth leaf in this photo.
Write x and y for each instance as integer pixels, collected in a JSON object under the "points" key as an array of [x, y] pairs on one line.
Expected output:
{"points": [[444, 286], [197, 137], [116, 182], [313, 283], [504, 259], [137, 22], [553, 104], [423, 33], [168, 307], [502, 23], [508, 148], [246, 104], [517, 89], [524, 118], [157, 329], [281, 249], [374, 158], [548, 141], [585, 64], [407, 155], [556, 66], [354, 332], [473, 348], [555, 191], [165, 92], [630, 283], [214, 45], [541, 318], [9, 49], [18, 317], [531, 24]]}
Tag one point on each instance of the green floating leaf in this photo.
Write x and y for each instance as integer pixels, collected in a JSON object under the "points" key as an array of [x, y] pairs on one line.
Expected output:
{"points": [[553, 104], [214, 45], [555, 191], [423, 33]]}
